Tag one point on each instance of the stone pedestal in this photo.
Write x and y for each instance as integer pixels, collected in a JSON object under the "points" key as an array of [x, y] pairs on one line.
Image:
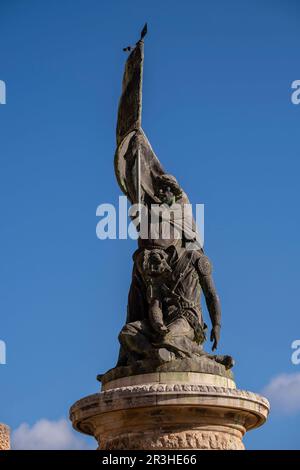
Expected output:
{"points": [[4, 437], [169, 410]]}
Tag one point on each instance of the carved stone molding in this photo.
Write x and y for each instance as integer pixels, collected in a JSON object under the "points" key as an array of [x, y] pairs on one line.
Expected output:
{"points": [[169, 416], [203, 389]]}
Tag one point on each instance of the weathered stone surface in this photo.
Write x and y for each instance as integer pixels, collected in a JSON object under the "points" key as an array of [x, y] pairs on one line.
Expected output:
{"points": [[170, 415], [200, 440], [4, 437], [202, 364]]}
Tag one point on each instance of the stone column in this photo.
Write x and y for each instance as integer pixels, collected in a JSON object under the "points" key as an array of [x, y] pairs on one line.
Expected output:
{"points": [[169, 410], [4, 437]]}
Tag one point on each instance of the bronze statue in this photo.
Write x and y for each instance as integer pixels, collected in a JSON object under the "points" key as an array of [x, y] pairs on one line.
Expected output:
{"points": [[164, 322]]}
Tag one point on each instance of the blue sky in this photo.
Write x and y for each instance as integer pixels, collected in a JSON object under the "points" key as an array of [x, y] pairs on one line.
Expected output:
{"points": [[218, 112]]}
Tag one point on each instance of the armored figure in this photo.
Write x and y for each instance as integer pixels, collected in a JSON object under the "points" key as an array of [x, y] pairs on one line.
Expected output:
{"points": [[164, 317]]}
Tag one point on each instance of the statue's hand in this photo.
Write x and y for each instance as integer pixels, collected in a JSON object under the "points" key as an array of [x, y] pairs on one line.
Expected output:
{"points": [[215, 336], [162, 329]]}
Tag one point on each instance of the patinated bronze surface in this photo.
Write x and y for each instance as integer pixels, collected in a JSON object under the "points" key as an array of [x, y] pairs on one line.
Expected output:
{"points": [[164, 328]]}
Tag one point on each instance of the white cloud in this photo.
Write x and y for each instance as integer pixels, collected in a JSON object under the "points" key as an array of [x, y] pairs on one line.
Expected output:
{"points": [[283, 391], [48, 435]]}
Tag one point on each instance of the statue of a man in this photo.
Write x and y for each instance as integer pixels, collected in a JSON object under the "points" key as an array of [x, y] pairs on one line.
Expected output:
{"points": [[164, 318]]}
